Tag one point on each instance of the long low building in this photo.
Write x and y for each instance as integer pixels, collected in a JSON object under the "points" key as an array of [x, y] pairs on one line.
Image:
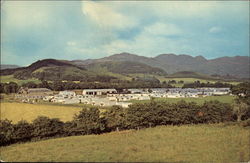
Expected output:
{"points": [[33, 93], [98, 91]]}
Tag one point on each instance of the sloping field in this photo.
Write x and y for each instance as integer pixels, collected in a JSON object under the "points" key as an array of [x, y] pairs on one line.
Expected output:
{"points": [[22, 111], [10, 78], [199, 100], [199, 143]]}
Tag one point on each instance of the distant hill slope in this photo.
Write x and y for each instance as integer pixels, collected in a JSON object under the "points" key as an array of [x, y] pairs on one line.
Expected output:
{"points": [[36, 65], [51, 69], [6, 66], [118, 65], [234, 66], [190, 74], [125, 67]]}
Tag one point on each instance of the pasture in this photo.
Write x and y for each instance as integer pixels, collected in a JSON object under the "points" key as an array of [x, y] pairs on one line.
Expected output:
{"points": [[191, 80], [10, 78], [22, 111], [184, 79], [199, 100], [187, 143]]}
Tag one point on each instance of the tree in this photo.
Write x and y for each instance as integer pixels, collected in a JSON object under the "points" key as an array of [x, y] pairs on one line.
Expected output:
{"points": [[115, 118], [88, 121], [215, 111], [240, 109], [242, 90], [181, 82], [44, 84], [6, 132], [30, 85], [22, 131], [46, 127]]}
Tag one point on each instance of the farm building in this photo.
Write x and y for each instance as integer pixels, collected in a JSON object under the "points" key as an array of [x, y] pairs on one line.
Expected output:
{"points": [[67, 93], [135, 91], [98, 91], [34, 93]]}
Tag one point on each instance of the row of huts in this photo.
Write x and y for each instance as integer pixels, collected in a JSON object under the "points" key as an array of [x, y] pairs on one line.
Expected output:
{"points": [[109, 97]]}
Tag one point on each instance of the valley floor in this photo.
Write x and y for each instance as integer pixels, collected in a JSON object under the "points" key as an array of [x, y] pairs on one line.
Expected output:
{"points": [[187, 143], [22, 111]]}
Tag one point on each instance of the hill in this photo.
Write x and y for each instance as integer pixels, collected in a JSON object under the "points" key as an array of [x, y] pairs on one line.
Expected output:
{"points": [[6, 66], [190, 74], [235, 67], [51, 69], [36, 65], [187, 143], [125, 67]]}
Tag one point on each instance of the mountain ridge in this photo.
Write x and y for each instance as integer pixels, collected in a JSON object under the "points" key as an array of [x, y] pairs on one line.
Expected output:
{"points": [[237, 66]]}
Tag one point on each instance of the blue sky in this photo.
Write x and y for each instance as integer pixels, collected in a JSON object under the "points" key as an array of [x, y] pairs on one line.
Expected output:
{"points": [[33, 30]]}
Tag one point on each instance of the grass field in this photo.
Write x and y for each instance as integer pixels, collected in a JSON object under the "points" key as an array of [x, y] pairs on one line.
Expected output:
{"points": [[10, 78], [22, 111], [186, 80], [199, 100], [198, 143], [191, 80]]}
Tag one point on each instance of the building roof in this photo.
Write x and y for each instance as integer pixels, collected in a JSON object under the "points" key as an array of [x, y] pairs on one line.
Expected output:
{"points": [[98, 90], [39, 90]]}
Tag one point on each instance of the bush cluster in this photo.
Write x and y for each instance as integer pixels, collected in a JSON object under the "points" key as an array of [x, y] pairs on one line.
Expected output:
{"points": [[198, 84], [136, 116]]}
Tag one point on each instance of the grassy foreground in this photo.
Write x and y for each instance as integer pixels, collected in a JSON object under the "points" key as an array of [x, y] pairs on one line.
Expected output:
{"points": [[198, 143], [29, 112]]}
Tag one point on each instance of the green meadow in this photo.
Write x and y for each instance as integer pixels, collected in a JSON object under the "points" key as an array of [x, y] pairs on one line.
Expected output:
{"points": [[199, 100], [10, 78], [22, 111], [16, 111], [217, 143]]}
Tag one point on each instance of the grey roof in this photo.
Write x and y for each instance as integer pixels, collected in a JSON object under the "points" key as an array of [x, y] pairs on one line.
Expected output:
{"points": [[99, 90], [39, 90]]}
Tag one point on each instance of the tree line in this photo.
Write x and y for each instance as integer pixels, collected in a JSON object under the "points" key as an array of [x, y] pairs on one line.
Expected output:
{"points": [[13, 87], [198, 84], [136, 116]]}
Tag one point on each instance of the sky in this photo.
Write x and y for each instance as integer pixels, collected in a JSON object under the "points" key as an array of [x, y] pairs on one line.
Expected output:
{"points": [[33, 30]]}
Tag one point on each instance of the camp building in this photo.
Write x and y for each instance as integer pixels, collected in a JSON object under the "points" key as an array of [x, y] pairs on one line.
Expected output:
{"points": [[98, 91], [34, 93]]}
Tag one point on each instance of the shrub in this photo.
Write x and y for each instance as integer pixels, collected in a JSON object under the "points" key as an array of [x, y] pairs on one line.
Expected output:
{"points": [[46, 127], [6, 132], [115, 118], [22, 131], [88, 121], [215, 111], [246, 123]]}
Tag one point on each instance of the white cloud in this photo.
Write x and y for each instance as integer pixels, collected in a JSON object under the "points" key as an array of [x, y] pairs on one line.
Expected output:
{"points": [[150, 41], [71, 43], [162, 29], [215, 29], [22, 14], [106, 16]]}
